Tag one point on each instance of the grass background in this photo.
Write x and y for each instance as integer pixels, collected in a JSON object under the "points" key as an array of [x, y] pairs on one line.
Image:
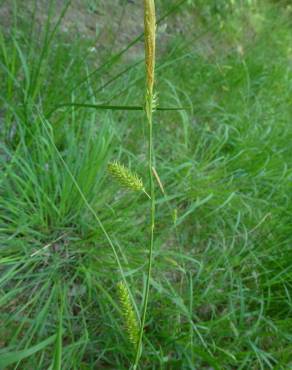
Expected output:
{"points": [[221, 287]]}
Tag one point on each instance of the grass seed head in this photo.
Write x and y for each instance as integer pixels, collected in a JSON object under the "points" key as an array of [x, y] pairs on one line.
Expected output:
{"points": [[130, 320], [150, 31], [125, 177]]}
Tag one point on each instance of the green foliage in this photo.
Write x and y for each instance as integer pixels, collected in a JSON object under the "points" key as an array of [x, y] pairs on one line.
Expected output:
{"points": [[9, 358], [221, 281]]}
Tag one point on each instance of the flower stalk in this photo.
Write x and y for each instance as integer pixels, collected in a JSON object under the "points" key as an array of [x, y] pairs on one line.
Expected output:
{"points": [[150, 104]]}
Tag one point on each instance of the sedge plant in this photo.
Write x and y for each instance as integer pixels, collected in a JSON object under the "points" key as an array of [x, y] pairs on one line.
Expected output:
{"points": [[228, 173], [131, 181]]}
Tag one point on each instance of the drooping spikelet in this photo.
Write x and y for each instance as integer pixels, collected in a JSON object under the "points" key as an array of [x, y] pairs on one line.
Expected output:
{"points": [[150, 30], [130, 319], [125, 177]]}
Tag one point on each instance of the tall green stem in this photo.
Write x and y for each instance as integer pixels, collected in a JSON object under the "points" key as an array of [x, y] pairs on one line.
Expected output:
{"points": [[149, 109], [150, 25]]}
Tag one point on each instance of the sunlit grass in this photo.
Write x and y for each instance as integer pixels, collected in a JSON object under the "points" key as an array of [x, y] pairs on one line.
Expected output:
{"points": [[221, 280]]}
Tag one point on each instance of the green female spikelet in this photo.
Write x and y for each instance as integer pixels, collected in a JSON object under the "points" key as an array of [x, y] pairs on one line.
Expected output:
{"points": [[125, 177], [129, 315]]}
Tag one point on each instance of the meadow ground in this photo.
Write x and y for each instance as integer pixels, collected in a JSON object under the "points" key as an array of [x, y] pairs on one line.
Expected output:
{"points": [[220, 295]]}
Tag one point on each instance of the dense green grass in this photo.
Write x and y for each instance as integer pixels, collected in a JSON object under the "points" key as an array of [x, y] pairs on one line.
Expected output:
{"points": [[221, 287]]}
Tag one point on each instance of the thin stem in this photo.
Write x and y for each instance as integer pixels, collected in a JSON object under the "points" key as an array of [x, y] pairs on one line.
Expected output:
{"points": [[150, 26], [145, 192], [152, 225]]}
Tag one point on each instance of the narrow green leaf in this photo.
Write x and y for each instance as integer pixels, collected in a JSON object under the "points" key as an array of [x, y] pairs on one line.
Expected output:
{"points": [[202, 354], [57, 361], [112, 107], [12, 357]]}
